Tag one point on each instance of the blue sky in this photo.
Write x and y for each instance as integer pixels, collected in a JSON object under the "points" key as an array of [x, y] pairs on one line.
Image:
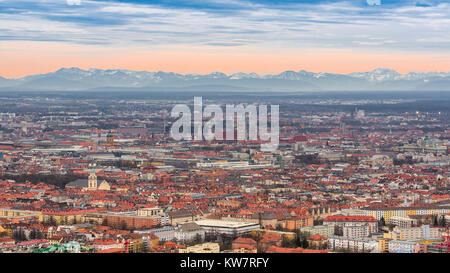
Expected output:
{"points": [[394, 25]]}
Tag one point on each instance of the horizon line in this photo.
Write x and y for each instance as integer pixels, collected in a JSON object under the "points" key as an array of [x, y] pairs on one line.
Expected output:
{"points": [[226, 73]]}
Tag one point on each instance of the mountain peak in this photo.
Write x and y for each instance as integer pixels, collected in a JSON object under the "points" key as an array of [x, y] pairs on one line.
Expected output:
{"points": [[74, 78], [384, 70], [70, 70]]}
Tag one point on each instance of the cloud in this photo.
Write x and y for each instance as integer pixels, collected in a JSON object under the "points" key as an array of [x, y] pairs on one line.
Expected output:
{"points": [[400, 25], [73, 2]]}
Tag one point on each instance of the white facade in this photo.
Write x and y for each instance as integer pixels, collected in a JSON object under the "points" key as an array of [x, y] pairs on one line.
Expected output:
{"points": [[166, 233], [402, 222], [356, 231], [353, 244]]}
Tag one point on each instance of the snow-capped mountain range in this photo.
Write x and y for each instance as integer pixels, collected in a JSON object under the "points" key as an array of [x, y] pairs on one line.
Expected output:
{"points": [[68, 79]]}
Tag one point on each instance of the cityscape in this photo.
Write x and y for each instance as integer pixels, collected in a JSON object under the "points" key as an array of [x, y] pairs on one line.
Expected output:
{"points": [[209, 135], [98, 173]]}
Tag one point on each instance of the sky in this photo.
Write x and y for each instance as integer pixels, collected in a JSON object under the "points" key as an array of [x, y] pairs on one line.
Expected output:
{"points": [[196, 36]]}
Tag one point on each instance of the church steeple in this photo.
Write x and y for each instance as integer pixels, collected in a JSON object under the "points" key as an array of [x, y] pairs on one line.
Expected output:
{"points": [[92, 181]]}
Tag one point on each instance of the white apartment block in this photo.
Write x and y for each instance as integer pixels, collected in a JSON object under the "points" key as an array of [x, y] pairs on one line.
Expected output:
{"points": [[356, 231], [340, 243], [373, 226], [403, 222], [423, 232], [323, 230]]}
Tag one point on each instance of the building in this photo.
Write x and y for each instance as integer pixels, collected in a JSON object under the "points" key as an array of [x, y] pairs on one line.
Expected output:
{"points": [[224, 164], [354, 212], [403, 222], [189, 232], [324, 230], [434, 246], [321, 212], [356, 231], [387, 213], [165, 234], [345, 221], [100, 245], [317, 241], [298, 221], [65, 217], [406, 246], [149, 212], [244, 245], [13, 214], [270, 239], [286, 235], [344, 244], [412, 233], [276, 249], [227, 227], [383, 245], [131, 220], [265, 219], [180, 216], [202, 248], [90, 184]]}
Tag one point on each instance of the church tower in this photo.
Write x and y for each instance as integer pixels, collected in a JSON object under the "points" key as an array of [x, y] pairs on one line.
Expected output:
{"points": [[92, 181], [110, 138]]}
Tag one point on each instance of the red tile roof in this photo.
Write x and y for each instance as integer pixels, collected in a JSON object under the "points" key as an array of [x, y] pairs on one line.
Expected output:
{"points": [[341, 218]]}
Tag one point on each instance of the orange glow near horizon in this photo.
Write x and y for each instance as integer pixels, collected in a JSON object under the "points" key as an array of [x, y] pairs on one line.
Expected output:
{"points": [[19, 59]]}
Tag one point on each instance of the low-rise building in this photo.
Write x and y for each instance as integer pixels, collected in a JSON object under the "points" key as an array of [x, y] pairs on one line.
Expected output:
{"points": [[227, 227], [202, 248], [189, 232], [324, 230], [403, 222]]}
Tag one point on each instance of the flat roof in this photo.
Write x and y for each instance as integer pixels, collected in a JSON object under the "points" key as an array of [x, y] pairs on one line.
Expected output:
{"points": [[224, 223]]}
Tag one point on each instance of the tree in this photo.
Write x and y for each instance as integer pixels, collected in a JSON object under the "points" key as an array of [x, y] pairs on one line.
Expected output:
{"points": [[435, 221], [318, 221], [338, 230], [33, 234], [198, 238], [39, 234], [235, 234], [19, 234], [287, 243], [305, 243], [123, 225]]}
